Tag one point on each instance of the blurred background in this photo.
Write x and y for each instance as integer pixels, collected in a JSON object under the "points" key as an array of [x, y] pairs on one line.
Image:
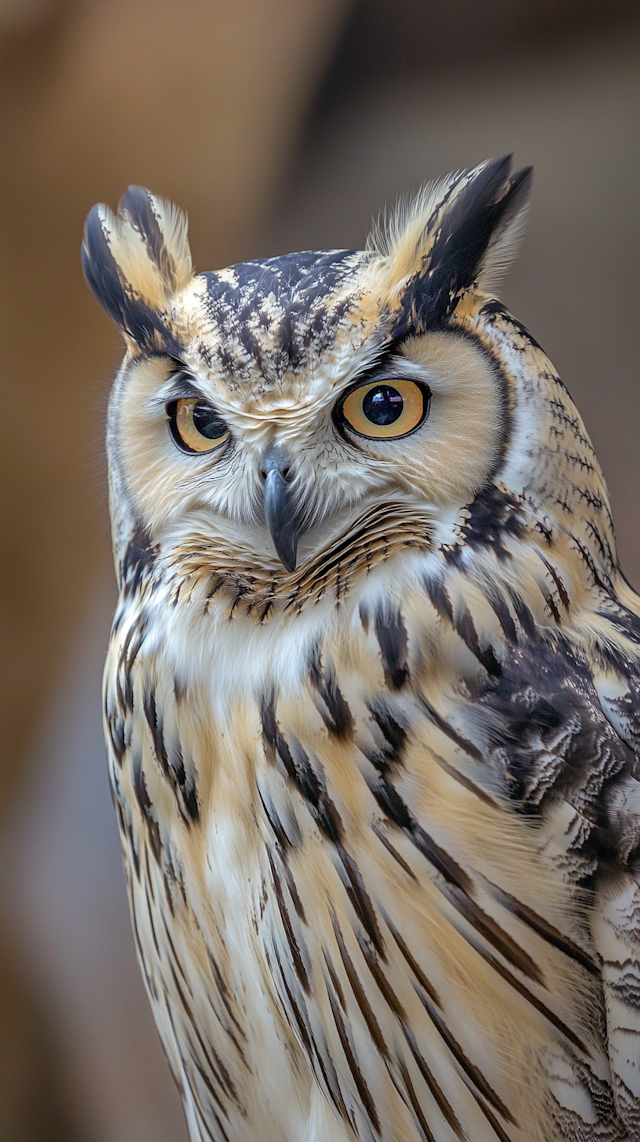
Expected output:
{"points": [[278, 125]]}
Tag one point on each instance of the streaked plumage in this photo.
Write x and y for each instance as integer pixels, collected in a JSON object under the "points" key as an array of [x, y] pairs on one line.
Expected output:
{"points": [[380, 812]]}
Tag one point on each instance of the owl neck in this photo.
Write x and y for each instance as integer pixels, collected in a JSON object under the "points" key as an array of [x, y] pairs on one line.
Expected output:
{"points": [[548, 476]]}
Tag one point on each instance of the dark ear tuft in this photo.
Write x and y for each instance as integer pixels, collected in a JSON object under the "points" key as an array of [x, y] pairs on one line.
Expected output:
{"points": [[136, 261], [100, 269], [459, 230], [463, 236]]}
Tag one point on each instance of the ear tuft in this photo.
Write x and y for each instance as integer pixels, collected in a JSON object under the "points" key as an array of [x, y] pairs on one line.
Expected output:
{"points": [[136, 261], [457, 233], [509, 231], [163, 229]]}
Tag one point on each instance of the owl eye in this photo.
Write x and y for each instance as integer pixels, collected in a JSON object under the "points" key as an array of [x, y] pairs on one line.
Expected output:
{"points": [[195, 426], [385, 410]]}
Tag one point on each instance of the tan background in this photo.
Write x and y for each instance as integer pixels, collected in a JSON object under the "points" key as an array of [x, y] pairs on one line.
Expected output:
{"points": [[278, 124]]}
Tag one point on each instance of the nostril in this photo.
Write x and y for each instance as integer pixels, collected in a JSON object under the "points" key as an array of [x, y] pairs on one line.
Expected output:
{"points": [[276, 460], [286, 473]]}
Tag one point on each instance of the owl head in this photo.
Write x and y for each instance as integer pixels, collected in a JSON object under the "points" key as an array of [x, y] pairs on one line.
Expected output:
{"points": [[334, 405]]}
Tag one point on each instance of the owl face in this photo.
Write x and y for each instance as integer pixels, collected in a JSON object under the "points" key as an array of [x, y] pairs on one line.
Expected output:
{"points": [[421, 424], [267, 407]]}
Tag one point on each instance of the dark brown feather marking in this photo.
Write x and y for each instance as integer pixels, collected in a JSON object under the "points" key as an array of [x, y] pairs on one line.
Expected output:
{"points": [[296, 957], [186, 1006], [498, 604], [138, 561], [360, 900], [550, 602], [128, 653], [358, 990], [174, 958], [448, 868], [384, 840], [293, 892], [366, 1099], [223, 992], [333, 976], [332, 705], [144, 802], [515, 983], [298, 768], [493, 516], [458, 887], [391, 803], [391, 634], [486, 926], [153, 929], [474, 1073], [394, 734], [465, 781], [424, 982], [387, 992], [524, 616], [282, 836], [440, 1100], [447, 729], [465, 627], [302, 1023], [155, 726], [538, 924], [498, 1130], [116, 726], [217, 1068], [204, 1078], [439, 597], [171, 761], [555, 575], [414, 1101]]}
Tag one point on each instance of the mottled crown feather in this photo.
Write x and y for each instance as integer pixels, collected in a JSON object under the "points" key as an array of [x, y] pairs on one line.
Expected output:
{"points": [[136, 260]]}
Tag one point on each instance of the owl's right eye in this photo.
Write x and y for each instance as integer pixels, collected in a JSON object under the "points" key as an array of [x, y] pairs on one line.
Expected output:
{"points": [[194, 425]]}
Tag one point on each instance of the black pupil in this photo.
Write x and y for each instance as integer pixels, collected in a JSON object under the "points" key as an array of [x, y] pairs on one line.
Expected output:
{"points": [[382, 405], [207, 422]]}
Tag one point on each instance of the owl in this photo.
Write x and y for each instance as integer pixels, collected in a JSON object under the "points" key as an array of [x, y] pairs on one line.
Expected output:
{"points": [[372, 695]]}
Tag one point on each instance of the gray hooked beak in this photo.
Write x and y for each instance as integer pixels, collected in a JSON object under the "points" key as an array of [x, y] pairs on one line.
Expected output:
{"points": [[278, 509]]}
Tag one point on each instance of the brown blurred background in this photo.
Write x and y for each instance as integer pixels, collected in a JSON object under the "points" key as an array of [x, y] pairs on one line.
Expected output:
{"points": [[278, 124]]}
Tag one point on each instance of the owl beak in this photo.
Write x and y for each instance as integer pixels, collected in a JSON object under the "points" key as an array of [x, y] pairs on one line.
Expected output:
{"points": [[279, 510]]}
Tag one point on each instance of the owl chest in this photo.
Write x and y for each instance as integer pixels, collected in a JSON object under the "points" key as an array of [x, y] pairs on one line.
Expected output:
{"points": [[340, 889]]}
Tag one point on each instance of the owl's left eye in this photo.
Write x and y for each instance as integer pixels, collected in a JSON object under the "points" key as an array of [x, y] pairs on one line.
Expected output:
{"points": [[195, 426], [385, 410]]}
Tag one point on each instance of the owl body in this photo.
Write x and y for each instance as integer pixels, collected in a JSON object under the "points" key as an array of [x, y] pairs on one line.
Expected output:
{"points": [[371, 698]]}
